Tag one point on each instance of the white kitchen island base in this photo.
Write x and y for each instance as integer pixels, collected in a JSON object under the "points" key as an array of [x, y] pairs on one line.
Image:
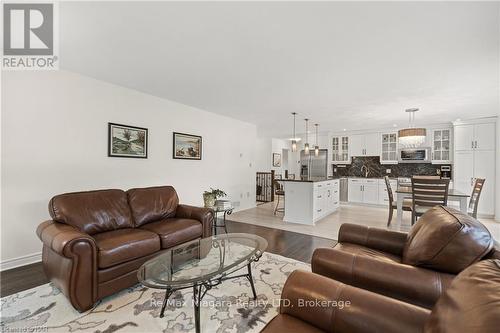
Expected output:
{"points": [[308, 201]]}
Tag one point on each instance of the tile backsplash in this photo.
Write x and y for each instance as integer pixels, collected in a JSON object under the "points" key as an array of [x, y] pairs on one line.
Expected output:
{"points": [[379, 170]]}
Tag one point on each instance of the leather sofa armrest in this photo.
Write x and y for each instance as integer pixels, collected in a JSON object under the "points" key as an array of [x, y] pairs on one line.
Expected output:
{"points": [[415, 285], [204, 215], [333, 306], [69, 260], [378, 239], [59, 237]]}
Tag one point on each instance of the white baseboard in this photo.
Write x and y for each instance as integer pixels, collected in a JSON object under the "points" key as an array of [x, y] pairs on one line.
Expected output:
{"points": [[20, 261]]}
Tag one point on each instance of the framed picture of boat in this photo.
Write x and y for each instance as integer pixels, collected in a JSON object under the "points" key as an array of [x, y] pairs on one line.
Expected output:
{"points": [[127, 141], [187, 146]]}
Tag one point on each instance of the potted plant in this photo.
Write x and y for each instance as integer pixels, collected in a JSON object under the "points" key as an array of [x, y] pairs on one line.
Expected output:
{"points": [[209, 197]]}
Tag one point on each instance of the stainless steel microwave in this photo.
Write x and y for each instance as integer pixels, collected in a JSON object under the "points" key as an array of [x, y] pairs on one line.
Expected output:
{"points": [[414, 155]]}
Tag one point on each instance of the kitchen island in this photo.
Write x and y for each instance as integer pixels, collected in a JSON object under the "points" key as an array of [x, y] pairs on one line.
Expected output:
{"points": [[308, 200]]}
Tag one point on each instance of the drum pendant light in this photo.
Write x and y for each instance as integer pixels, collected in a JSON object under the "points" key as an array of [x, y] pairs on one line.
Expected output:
{"points": [[411, 137]]}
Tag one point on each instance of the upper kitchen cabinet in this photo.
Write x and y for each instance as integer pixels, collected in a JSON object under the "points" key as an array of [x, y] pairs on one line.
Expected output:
{"points": [[389, 148], [475, 137], [340, 150], [441, 145], [365, 144]]}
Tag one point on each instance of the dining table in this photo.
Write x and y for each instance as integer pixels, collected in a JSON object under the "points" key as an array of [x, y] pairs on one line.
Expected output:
{"points": [[404, 192]]}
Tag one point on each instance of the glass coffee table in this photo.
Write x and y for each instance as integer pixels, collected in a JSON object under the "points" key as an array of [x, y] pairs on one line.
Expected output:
{"points": [[201, 265]]}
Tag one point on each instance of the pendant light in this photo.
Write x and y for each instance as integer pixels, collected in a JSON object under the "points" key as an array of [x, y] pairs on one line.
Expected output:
{"points": [[294, 138], [411, 137], [316, 148], [306, 145]]}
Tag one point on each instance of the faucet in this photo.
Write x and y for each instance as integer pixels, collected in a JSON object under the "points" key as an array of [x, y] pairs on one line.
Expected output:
{"points": [[366, 170]]}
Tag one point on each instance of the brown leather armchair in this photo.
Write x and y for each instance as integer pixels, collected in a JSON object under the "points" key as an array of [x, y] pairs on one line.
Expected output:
{"points": [[312, 303], [97, 240], [415, 267]]}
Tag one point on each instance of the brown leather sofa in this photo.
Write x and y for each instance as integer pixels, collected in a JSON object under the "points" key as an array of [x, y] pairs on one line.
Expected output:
{"points": [[312, 303], [97, 240], [416, 267]]}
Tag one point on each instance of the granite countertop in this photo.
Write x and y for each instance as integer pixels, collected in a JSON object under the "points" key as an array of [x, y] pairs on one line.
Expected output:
{"points": [[310, 180]]}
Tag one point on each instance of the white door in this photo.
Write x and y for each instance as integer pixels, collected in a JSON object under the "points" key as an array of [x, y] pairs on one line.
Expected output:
{"points": [[463, 171], [355, 192], [484, 167], [484, 136], [464, 137], [370, 193], [372, 144], [357, 144]]}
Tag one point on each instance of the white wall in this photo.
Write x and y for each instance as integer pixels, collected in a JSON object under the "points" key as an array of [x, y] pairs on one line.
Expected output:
{"points": [[54, 140]]}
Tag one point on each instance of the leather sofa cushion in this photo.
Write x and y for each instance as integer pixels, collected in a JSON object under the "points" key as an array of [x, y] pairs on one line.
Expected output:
{"points": [[471, 303], [448, 240], [286, 323], [152, 203], [92, 212], [118, 246], [175, 231]]}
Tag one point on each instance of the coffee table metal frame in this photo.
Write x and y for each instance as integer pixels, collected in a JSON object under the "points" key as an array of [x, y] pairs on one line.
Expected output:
{"points": [[201, 287]]}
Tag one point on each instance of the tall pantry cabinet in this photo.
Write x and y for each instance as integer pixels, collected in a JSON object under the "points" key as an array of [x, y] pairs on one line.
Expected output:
{"points": [[474, 157]]}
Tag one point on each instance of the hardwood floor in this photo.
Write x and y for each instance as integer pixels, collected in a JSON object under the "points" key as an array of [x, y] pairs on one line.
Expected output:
{"points": [[286, 243], [21, 278]]}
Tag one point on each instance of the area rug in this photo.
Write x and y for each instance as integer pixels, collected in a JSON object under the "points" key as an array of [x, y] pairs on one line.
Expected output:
{"points": [[228, 307]]}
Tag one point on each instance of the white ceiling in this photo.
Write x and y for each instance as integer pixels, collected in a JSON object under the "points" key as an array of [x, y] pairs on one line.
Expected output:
{"points": [[345, 65]]}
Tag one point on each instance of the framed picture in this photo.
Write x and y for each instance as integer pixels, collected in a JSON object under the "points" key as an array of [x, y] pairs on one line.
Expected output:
{"points": [[127, 141], [276, 160], [186, 146]]}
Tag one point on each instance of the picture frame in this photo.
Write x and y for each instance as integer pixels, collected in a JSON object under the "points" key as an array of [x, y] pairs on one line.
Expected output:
{"points": [[127, 141], [187, 146], [276, 160]]}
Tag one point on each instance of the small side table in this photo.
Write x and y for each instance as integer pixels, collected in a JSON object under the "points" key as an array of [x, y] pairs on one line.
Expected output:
{"points": [[217, 211]]}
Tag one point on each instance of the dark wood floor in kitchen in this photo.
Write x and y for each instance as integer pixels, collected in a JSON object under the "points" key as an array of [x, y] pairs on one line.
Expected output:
{"points": [[286, 243]]}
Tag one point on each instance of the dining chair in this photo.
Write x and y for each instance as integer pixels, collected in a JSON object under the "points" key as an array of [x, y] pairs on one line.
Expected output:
{"points": [[279, 192], [427, 193], [474, 198], [392, 204]]}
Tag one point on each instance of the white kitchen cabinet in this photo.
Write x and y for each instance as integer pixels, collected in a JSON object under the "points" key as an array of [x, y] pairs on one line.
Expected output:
{"points": [[340, 150], [363, 190], [307, 202], [484, 135], [372, 145], [370, 193], [441, 146], [474, 157], [357, 143], [365, 144], [463, 172], [484, 167], [389, 148], [464, 137], [475, 137], [355, 191]]}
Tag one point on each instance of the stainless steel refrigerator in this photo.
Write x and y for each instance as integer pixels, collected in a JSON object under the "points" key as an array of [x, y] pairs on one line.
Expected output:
{"points": [[312, 166]]}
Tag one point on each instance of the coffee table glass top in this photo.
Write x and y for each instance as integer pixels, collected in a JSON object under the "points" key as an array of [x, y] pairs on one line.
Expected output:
{"points": [[201, 259]]}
